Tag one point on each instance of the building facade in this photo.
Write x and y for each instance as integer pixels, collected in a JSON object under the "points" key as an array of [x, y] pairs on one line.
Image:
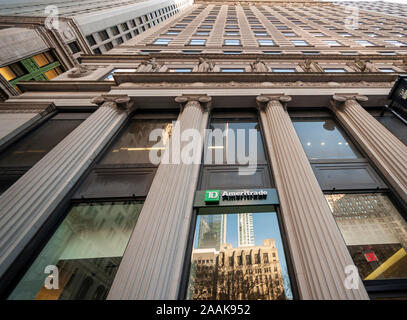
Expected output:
{"points": [[67, 30], [261, 130]]}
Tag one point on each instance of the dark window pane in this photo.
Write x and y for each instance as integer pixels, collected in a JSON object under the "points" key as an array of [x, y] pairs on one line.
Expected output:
{"points": [[322, 139], [36, 144], [395, 126], [233, 143], [229, 249], [374, 232], [74, 47], [86, 248], [134, 145]]}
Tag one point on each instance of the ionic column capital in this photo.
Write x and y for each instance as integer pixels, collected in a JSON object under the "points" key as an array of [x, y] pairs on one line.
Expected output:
{"points": [[264, 101], [338, 101], [122, 103], [200, 101]]}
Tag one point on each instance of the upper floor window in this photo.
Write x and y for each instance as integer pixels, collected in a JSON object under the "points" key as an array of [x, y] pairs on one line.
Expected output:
{"points": [[197, 42], [232, 70], [299, 43], [232, 52], [311, 52], [179, 69], [387, 70], [364, 43], [232, 42], [349, 53], [202, 33], [283, 69], [345, 34], [372, 34], [231, 33], [191, 51], [109, 77], [115, 30], [266, 42], [332, 43], [396, 43], [334, 70], [91, 40], [162, 41], [172, 32]]}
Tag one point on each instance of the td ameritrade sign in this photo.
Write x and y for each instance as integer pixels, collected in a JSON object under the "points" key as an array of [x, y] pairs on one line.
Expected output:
{"points": [[266, 196]]}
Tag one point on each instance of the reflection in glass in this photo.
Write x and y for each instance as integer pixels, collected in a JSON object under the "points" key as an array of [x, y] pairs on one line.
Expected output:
{"points": [[86, 248], [236, 137], [240, 257], [134, 145], [374, 232], [322, 139]]}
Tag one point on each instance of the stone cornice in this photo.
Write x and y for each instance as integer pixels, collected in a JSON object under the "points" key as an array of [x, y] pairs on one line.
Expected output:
{"points": [[137, 77], [246, 56], [17, 107], [68, 85]]}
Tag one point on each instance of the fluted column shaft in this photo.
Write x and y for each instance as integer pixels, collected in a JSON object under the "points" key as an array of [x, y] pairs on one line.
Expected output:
{"points": [[152, 264], [318, 251], [28, 203], [386, 151]]}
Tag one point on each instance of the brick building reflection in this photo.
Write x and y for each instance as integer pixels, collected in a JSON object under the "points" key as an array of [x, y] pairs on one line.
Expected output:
{"points": [[244, 273]]}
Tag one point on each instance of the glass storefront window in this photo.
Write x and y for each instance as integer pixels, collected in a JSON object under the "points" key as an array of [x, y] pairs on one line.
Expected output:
{"points": [[374, 232], [86, 249], [134, 145], [395, 126], [238, 142], [322, 139], [238, 256], [35, 145]]}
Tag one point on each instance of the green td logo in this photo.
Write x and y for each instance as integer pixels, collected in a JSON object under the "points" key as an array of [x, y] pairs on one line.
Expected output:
{"points": [[212, 196]]}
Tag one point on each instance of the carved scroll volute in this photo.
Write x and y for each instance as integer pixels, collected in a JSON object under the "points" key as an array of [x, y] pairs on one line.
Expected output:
{"points": [[204, 102], [338, 101], [263, 100], [121, 103]]}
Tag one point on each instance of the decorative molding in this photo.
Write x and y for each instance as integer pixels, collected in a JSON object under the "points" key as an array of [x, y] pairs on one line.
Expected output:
{"points": [[21, 107], [122, 103], [201, 101], [263, 100]]}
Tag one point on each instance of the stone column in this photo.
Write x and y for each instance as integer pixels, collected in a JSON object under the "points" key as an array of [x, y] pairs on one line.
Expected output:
{"points": [[318, 251], [27, 204], [15, 118], [152, 264], [386, 151]]}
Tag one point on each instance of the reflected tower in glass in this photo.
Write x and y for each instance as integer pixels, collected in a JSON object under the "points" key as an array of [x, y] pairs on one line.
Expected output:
{"points": [[212, 231]]}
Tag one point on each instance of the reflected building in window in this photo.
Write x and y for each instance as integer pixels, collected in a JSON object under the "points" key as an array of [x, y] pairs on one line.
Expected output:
{"points": [[245, 230], [244, 273]]}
